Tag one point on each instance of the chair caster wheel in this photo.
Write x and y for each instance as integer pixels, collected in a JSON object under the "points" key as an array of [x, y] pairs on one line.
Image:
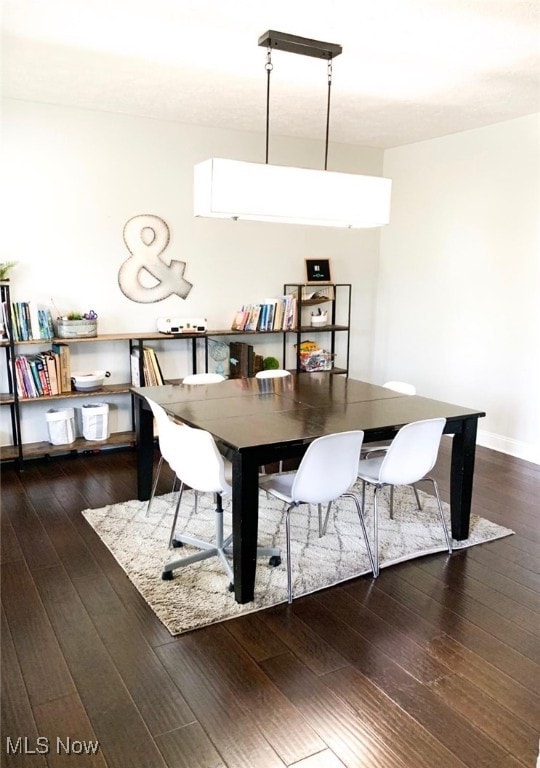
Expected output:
{"points": [[231, 587], [167, 576], [176, 544], [274, 561]]}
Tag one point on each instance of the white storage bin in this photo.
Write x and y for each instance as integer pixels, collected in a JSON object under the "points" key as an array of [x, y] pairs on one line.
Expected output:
{"points": [[95, 421], [61, 426]]}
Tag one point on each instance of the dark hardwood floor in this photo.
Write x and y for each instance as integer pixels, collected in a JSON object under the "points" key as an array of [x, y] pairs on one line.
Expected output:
{"points": [[433, 665]]}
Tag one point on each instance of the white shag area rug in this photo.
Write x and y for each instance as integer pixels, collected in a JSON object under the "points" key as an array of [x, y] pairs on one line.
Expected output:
{"points": [[198, 595]]}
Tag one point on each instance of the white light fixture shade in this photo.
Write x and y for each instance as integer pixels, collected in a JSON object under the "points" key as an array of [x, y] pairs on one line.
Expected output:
{"points": [[233, 189]]}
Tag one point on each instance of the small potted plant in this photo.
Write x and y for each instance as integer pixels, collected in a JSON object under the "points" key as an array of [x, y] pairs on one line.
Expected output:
{"points": [[5, 267]]}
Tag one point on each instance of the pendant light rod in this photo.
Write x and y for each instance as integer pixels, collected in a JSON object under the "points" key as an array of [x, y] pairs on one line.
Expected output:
{"points": [[328, 115], [305, 46], [268, 67]]}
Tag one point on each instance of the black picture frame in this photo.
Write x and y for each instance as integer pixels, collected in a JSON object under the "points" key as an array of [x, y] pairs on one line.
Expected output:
{"points": [[318, 271]]}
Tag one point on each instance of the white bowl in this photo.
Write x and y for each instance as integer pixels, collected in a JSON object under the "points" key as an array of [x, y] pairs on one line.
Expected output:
{"points": [[89, 382], [318, 320]]}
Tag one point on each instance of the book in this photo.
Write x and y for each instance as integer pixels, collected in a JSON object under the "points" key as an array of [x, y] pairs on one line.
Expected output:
{"points": [[234, 360], [33, 321], [50, 363], [63, 352], [136, 368], [156, 370], [28, 382]]}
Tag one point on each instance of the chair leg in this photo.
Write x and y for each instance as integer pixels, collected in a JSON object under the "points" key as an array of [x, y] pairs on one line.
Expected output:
{"points": [[360, 511], [323, 524], [175, 517], [391, 502], [417, 498], [154, 486], [207, 548], [441, 514], [375, 533], [288, 545]]}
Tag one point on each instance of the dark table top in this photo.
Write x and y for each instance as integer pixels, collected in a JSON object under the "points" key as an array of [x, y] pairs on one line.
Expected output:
{"points": [[245, 413]]}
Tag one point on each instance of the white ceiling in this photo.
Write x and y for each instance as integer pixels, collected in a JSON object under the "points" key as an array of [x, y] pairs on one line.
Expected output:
{"points": [[410, 69]]}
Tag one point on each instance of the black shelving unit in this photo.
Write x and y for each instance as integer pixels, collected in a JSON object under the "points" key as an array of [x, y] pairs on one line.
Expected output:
{"points": [[335, 298], [11, 398]]}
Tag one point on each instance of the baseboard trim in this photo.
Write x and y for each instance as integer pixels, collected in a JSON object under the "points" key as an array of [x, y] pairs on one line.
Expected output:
{"points": [[516, 448]]}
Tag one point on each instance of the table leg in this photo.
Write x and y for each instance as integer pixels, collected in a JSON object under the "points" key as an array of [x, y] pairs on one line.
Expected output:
{"points": [[144, 435], [461, 478], [245, 514]]}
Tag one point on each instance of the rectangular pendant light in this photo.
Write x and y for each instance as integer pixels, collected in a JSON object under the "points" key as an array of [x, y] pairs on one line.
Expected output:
{"points": [[234, 189]]}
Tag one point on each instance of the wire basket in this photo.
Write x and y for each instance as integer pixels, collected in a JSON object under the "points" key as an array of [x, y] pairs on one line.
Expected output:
{"points": [[318, 360]]}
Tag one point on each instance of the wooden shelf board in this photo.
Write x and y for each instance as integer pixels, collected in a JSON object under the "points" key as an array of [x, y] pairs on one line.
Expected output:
{"points": [[107, 389], [43, 448]]}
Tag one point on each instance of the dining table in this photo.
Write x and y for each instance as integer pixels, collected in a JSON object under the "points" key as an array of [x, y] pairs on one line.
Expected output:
{"points": [[263, 421]]}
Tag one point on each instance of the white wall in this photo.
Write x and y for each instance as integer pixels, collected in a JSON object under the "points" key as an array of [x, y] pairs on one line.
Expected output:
{"points": [[458, 302], [72, 178]]}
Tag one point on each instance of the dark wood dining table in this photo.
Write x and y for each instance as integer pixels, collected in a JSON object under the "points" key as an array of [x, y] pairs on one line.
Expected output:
{"points": [[262, 421]]}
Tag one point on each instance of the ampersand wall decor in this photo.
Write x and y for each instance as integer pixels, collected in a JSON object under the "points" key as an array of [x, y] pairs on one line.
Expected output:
{"points": [[146, 237]]}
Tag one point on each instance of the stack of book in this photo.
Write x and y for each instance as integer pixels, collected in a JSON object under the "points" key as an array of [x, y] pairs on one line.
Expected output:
{"points": [[42, 375], [279, 314], [29, 322], [152, 375], [244, 363]]}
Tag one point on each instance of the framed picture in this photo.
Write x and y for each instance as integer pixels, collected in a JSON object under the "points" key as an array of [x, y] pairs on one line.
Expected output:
{"points": [[318, 271]]}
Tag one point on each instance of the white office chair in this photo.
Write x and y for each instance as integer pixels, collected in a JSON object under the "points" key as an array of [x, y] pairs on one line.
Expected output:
{"points": [[327, 471], [272, 373], [194, 378], [167, 446], [203, 378], [410, 456], [200, 466], [404, 388]]}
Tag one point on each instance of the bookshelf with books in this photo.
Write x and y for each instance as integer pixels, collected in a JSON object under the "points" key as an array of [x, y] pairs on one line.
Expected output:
{"points": [[39, 371], [290, 315]]}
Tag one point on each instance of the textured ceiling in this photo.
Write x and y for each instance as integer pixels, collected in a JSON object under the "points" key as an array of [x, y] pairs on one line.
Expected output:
{"points": [[410, 69]]}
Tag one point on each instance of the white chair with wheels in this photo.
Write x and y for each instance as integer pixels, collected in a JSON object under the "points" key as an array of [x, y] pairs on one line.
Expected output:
{"points": [[272, 373], [404, 388], [167, 446], [200, 466], [203, 378], [410, 456], [195, 378], [328, 471]]}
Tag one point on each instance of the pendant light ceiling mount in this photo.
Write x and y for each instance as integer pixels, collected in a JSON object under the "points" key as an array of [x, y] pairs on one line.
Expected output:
{"points": [[302, 45], [281, 194]]}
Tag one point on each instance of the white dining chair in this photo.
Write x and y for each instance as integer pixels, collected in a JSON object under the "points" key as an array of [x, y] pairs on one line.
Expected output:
{"points": [[272, 373], [200, 466], [194, 378], [328, 471], [410, 456], [203, 378], [166, 441], [404, 388]]}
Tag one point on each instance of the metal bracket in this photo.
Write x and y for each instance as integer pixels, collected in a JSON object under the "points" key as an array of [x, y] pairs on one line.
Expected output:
{"points": [[302, 45]]}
